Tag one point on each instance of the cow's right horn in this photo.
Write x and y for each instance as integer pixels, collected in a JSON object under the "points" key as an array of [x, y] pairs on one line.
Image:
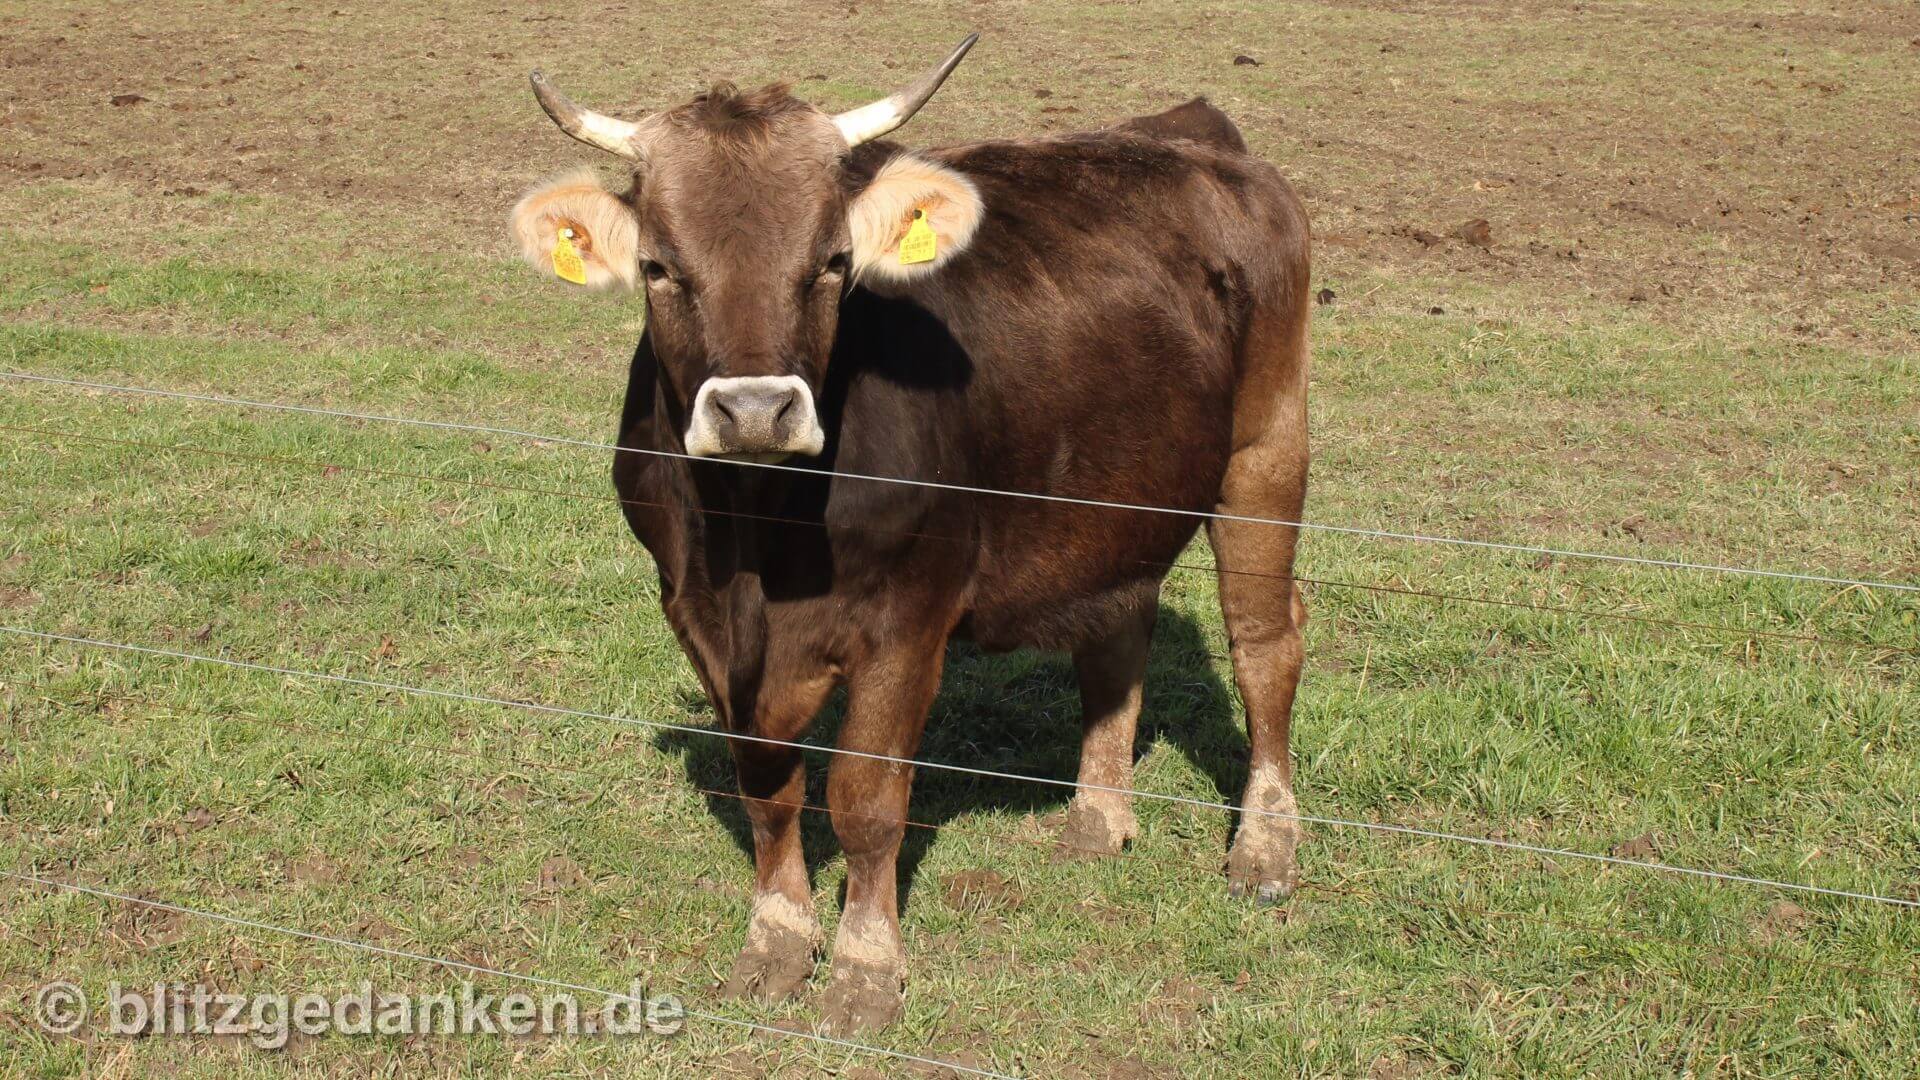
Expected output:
{"points": [[595, 129], [869, 122]]}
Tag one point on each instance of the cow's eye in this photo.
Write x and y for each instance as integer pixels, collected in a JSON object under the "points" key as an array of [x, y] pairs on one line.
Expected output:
{"points": [[659, 275], [833, 269]]}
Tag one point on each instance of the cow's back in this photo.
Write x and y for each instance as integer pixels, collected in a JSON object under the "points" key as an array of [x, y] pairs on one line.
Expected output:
{"points": [[1098, 308]]}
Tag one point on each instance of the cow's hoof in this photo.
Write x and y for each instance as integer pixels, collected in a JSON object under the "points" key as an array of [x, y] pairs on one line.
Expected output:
{"points": [[772, 968], [1269, 877], [861, 998], [1093, 830]]}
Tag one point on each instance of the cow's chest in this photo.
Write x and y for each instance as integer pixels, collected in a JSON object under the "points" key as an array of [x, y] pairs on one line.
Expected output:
{"points": [[756, 654]]}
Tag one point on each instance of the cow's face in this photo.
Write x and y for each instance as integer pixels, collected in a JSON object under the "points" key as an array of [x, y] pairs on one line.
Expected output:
{"points": [[743, 229]]}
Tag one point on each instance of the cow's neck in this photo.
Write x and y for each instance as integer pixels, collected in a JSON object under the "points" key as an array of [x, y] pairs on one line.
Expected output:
{"points": [[735, 507], [753, 522]]}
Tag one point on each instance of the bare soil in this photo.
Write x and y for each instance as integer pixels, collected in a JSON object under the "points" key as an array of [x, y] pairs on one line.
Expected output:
{"points": [[1693, 163]]}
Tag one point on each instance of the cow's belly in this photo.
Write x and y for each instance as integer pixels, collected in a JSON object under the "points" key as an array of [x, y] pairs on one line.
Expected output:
{"points": [[1062, 623], [1070, 576]]}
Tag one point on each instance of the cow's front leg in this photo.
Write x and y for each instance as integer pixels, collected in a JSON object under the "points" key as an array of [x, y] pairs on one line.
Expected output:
{"points": [[783, 936], [887, 707]]}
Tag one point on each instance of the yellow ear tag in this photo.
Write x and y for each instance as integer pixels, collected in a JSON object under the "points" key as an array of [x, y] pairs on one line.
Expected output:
{"points": [[567, 263], [917, 246]]}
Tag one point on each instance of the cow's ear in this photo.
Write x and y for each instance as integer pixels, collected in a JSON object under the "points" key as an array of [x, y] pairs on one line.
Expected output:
{"points": [[910, 201], [575, 212]]}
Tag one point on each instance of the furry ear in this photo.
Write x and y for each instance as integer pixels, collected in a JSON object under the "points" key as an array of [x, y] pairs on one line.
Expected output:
{"points": [[881, 215], [603, 230]]}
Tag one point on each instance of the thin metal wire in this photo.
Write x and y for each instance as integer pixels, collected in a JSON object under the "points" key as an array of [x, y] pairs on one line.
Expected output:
{"points": [[993, 774], [662, 785], [1590, 613], [1378, 534], [1750, 951], [460, 965], [488, 485]]}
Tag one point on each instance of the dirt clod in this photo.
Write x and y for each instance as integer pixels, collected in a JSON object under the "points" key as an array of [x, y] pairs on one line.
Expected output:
{"points": [[315, 870], [560, 873], [1644, 846], [1784, 919], [980, 891], [1477, 232], [147, 928]]}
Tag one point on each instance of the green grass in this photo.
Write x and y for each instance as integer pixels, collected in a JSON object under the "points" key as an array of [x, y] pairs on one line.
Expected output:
{"points": [[1536, 407], [1740, 754]]}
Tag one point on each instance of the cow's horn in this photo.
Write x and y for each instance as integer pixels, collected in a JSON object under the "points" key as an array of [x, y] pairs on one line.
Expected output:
{"points": [[869, 122], [595, 129]]}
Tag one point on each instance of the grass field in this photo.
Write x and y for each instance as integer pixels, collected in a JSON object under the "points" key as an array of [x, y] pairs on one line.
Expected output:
{"points": [[1694, 335]]}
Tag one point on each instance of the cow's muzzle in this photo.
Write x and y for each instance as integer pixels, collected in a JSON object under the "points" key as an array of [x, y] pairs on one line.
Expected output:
{"points": [[759, 417]]}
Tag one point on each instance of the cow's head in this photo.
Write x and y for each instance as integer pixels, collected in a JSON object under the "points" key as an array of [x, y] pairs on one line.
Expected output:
{"points": [[743, 227]]}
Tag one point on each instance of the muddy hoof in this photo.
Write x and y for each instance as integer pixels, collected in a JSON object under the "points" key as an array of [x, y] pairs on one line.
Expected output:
{"points": [[772, 969], [1092, 832], [1269, 878], [861, 998], [1265, 893]]}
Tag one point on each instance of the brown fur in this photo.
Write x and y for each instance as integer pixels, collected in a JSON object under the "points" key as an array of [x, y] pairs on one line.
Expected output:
{"points": [[1128, 322], [1197, 120]]}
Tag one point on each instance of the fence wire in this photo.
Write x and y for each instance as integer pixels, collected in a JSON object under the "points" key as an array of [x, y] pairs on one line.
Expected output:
{"points": [[1379, 534], [662, 787], [1336, 889], [330, 467], [478, 969], [967, 770]]}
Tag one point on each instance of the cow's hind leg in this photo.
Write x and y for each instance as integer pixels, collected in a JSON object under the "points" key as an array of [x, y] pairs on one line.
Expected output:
{"points": [[1266, 477], [783, 935], [1112, 673], [1264, 616], [887, 703]]}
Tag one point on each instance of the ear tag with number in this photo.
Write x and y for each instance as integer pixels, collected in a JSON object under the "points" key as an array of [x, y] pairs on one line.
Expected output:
{"points": [[567, 263], [918, 245]]}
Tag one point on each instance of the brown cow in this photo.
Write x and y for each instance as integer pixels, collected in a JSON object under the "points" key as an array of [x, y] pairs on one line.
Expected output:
{"points": [[1118, 315]]}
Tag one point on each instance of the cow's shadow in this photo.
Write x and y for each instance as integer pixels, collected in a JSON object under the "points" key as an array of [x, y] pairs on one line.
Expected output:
{"points": [[1016, 713]]}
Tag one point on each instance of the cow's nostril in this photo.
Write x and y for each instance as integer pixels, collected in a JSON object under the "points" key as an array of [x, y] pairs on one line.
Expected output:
{"points": [[752, 414]]}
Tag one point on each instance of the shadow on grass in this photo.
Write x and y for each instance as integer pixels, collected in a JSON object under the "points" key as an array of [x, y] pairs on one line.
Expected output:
{"points": [[1014, 713]]}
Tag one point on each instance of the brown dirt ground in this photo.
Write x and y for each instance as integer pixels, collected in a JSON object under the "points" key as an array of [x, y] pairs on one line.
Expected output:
{"points": [[1698, 162]]}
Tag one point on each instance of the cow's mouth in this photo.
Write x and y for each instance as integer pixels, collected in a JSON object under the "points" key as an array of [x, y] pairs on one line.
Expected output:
{"points": [[773, 457], [761, 418]]}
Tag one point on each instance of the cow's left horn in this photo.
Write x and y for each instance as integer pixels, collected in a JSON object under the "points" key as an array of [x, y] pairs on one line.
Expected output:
{"points": [[869, 122], [595, 129]]}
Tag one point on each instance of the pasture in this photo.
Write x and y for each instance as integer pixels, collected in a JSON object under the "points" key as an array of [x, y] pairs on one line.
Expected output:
{"points": [[1689, 330]]}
